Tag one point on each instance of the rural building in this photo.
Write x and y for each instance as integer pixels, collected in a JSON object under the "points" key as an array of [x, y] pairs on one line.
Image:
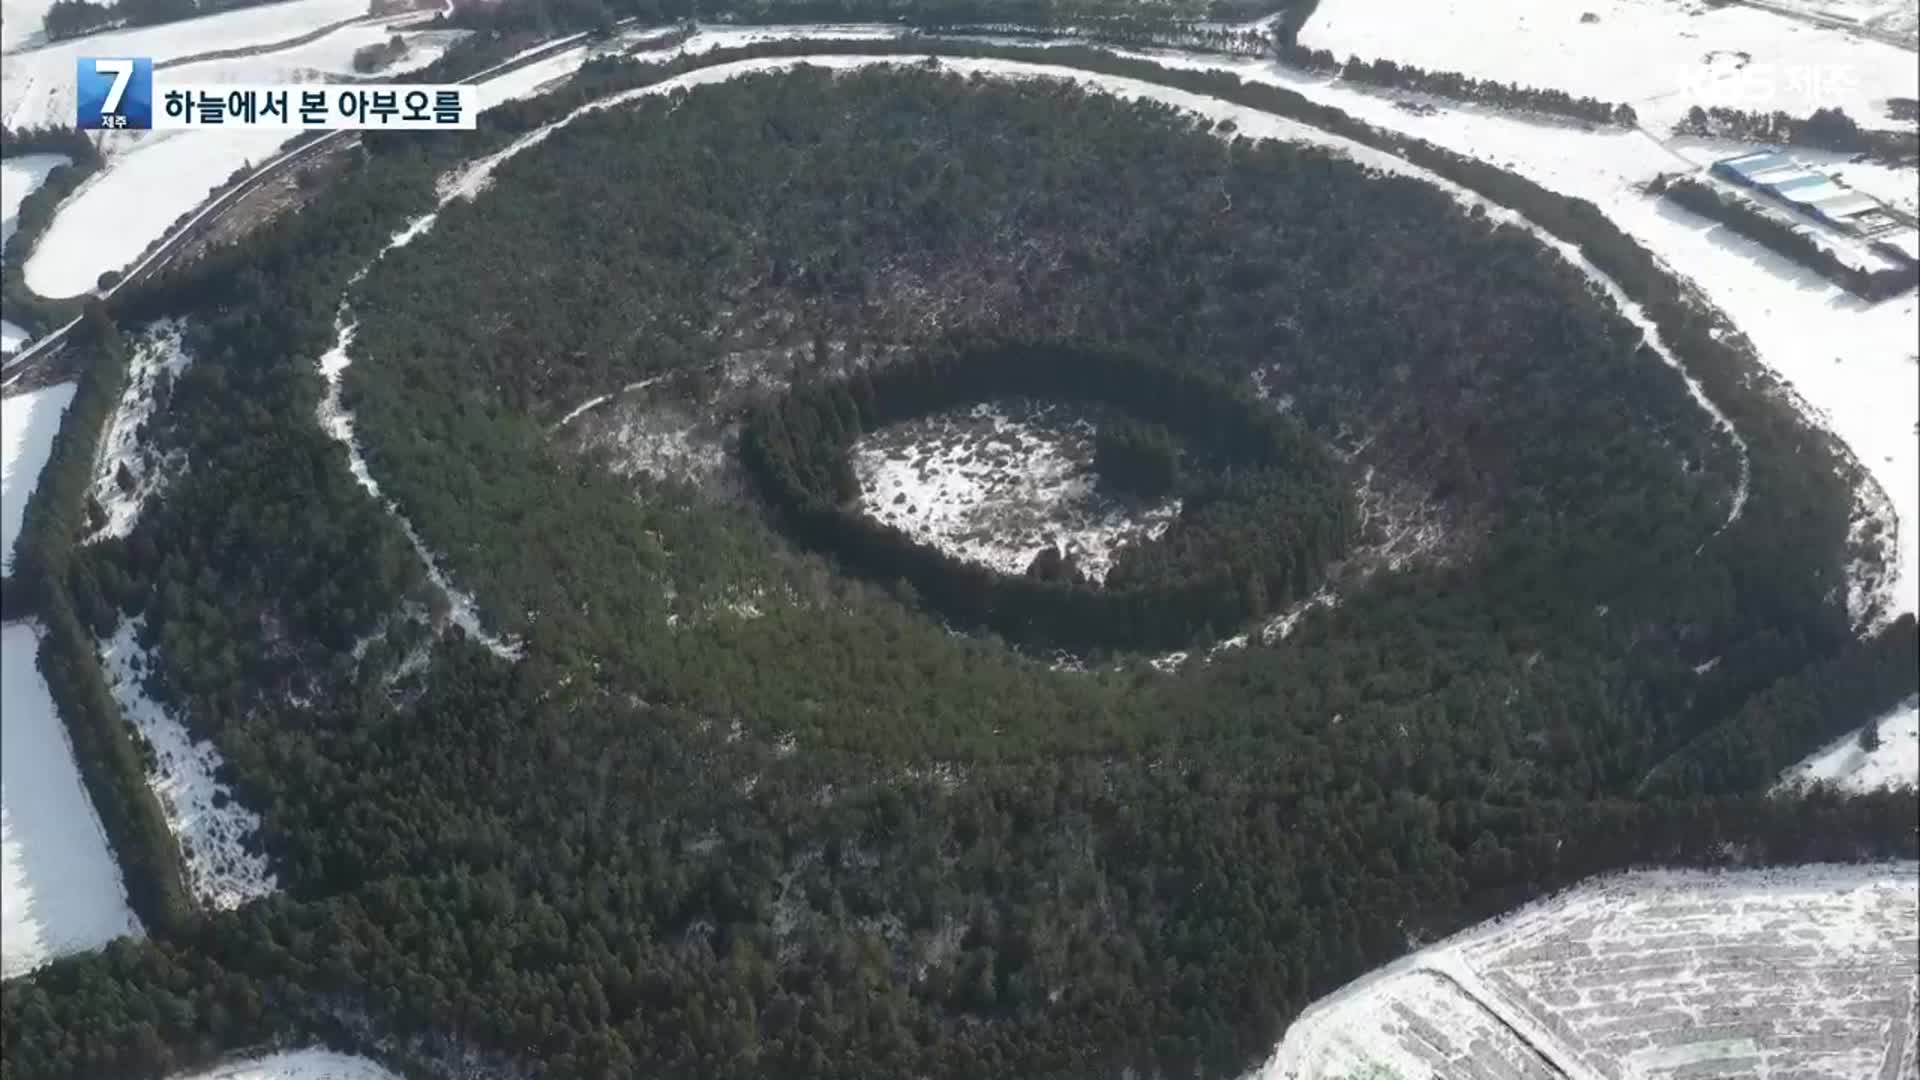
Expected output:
{"points": [[1812, 193]]}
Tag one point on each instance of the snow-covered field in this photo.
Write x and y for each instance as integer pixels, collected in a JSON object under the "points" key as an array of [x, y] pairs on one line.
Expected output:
{"points": [[28, 423], [165, 174], [322, 60], [1660, 56], [60, 890], [1852, 767], [37, 86], [210, 826], [158, 355], [995, 490], [1649, 975], [19, 176], [311, 1064], [21, 22]]}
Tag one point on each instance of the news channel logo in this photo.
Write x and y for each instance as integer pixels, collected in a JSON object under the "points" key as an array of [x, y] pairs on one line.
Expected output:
{"points": [[115, 93]]}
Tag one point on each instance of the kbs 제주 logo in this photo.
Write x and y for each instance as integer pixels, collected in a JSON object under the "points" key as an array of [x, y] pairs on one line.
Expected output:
{"points": [[114, 92]]}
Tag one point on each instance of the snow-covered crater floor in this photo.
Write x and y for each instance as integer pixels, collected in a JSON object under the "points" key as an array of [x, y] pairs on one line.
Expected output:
{"points": [[314, 1063], [996, 490], [1651, 975], [211, 827]]}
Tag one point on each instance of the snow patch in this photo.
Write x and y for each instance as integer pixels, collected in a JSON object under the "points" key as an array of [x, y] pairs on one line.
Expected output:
{"points": [[211, 827], [995, 490], [335, 418], [60, 889], [28, 423], [158, 355], [1850, 766], [310, 1064]]}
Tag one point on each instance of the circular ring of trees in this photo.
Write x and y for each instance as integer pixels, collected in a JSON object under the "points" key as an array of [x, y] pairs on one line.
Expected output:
{"points": [[1264, 505]]}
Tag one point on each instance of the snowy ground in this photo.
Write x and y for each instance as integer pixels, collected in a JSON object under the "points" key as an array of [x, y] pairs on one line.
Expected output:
{"points": [[1649, 975], [210, 826], [166, 174], [19, 176], [37, 86], [324, 60], [28, 423], [60, 890], [1660, 56], [21, 22], [157, 355], [995, 490], [1845, 763], [311, 1064]]}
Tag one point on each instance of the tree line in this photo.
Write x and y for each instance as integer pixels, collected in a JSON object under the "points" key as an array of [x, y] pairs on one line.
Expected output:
{"points": [[1704, 199], [1253, 535], [35, 214], [1825, 129]]}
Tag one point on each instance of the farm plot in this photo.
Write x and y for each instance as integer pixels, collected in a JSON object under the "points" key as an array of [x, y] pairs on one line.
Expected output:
{"points": [[1660, 56], [1805, 972], [326, 59], [19, 177], [28, 423], [60, 890], [997, 484], [37, 86]]}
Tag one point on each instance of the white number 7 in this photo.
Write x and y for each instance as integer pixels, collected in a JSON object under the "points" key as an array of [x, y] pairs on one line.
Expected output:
{"points": [[122, 72]]}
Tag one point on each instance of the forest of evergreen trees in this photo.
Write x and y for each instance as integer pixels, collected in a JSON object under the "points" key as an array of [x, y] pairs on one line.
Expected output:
{"points": [[835, 839]]}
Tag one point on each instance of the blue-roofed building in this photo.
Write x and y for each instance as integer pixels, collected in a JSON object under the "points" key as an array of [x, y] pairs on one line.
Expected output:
{"points": [[1811, 193], [1805, 180], [1741, 169]]}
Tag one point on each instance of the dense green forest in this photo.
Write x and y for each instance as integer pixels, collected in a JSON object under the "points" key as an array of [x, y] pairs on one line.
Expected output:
{"points": [[833, 838]]}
